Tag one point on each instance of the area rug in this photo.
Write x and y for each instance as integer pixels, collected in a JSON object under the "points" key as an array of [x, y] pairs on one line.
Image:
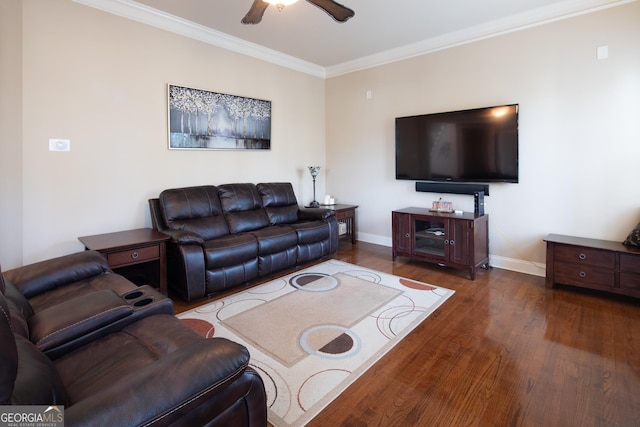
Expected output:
{"points": [[314, 332]]}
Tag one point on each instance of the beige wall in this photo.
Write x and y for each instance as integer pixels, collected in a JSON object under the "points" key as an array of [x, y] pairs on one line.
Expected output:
{"points": [[100, 81], [579, 132], [11, 135]]}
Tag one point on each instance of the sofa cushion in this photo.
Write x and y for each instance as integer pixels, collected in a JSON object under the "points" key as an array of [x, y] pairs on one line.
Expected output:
{"points": [[279, 202], [230, 250], [195, 209], [312, 231], [275, 238], [158, 371], [105, 361], [242, 207]]}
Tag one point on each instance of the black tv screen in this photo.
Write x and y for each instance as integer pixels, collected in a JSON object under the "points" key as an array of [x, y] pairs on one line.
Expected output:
{"points": [[478, 145]]}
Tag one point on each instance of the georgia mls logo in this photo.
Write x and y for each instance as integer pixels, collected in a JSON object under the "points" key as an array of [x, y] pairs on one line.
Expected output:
{"points": [[31, 416], [54, 410]]}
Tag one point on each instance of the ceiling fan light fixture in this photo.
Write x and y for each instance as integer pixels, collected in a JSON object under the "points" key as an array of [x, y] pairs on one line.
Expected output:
{"points": [[280, 4], [337, 11]]}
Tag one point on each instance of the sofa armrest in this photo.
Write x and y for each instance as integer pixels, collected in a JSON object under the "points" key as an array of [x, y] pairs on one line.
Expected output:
{"points": [[34, 279], [310, 214], [183, 237], [166, 390], [76, 317]]}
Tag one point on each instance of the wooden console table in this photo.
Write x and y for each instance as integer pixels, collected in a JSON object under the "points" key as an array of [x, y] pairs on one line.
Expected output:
{"points": [[132, 253], [595, 264]]}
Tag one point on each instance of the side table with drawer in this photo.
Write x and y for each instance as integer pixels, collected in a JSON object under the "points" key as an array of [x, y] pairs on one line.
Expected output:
{"points": [[139, 255], [595, 264], [346, 214]]}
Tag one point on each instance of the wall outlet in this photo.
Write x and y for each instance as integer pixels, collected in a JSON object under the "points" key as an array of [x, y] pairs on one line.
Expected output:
{"points": [[602, 52], [59, 145]]}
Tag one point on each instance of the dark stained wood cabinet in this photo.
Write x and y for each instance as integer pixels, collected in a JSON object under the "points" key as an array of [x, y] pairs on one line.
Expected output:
{"points": [[347, 214], [139, 255], [454, 240], [591, 263]]}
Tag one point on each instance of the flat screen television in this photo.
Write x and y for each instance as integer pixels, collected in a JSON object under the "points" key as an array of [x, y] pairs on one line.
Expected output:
{"points": [[478, 145]]}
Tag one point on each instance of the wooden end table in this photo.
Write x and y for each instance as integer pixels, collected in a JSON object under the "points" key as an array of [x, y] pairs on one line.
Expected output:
{"points": [[346, 214], [127, 250]]}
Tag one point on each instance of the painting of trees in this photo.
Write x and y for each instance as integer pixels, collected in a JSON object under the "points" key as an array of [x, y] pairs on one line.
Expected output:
{"points": [[200, 119]]}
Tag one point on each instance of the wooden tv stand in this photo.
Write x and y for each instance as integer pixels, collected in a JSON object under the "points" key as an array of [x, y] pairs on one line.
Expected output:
{"points": [[595, 264], [454, 240]]}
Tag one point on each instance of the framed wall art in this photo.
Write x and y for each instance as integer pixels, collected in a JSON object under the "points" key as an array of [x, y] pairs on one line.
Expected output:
{"points": [[200, 120]]}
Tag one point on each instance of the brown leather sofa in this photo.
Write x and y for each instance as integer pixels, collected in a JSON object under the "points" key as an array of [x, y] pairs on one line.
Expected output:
{"points": [[73, 333], [227, 235]]}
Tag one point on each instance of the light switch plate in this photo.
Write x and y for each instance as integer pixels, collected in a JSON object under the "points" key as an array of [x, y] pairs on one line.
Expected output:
{"points": [[59, 145]]}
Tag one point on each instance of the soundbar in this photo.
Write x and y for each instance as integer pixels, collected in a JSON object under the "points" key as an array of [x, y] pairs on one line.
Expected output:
{"points": [[451, 187]]}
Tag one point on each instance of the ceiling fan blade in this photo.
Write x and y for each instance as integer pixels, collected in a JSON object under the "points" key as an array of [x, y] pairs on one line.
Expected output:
{"points": [[339, 12], [255, 12]]}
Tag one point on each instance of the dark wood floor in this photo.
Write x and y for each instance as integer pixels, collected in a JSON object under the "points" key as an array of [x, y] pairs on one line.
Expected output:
{"points": [[502, 351]]}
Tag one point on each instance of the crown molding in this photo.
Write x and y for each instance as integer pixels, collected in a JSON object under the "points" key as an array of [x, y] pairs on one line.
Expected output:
{"points": [[534, 18], [146, 15], [537, 17]]}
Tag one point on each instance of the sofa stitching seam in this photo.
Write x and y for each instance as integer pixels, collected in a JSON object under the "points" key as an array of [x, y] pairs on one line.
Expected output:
{"points": [[78, 323]]}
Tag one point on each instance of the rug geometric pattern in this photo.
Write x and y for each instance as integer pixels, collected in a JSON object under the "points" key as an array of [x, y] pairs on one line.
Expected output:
{"points": [[315, 331]]}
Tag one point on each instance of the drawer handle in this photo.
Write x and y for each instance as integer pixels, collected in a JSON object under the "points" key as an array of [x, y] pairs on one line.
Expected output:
{"points": [[134, 255], [582, 256], [582, 274]]}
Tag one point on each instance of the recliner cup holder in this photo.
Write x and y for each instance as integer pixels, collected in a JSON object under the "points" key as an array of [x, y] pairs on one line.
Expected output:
{"points": [[143, 302], [133, 295], [138, 298], [146, 299]]}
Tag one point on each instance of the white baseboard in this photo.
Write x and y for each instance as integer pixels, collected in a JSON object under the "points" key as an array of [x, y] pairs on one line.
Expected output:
{"points": [[375, 239], [511, 264], [521, 266]]}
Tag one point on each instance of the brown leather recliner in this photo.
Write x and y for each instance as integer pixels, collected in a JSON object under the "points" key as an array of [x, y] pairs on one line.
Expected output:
{"points": [[227, 235], [143, 368], [63, 302]]}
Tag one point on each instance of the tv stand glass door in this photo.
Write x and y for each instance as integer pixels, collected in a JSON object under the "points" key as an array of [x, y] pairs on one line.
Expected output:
{"points": [[430, 237]]}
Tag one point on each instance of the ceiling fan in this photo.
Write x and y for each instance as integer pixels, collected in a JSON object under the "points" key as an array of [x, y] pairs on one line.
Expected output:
{"points": [[339, 12]]}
